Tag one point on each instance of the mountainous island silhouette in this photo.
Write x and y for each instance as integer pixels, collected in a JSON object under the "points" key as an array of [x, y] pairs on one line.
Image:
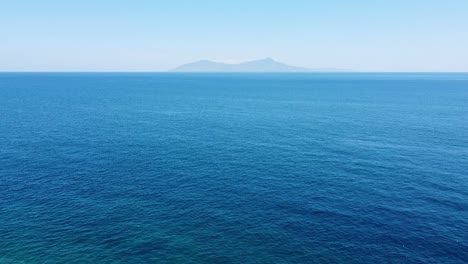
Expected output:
{"points": [[263, 65]]}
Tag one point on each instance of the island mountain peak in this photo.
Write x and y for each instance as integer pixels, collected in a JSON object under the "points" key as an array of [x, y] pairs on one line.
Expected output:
{"points": [[268, 59]]}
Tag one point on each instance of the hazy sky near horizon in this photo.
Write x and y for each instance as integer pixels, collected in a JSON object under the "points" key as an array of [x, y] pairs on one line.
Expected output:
{"points": [[145, 35]]}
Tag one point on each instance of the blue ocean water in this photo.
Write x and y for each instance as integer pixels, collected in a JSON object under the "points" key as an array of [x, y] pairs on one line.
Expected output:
{"points": [[233, 168]]}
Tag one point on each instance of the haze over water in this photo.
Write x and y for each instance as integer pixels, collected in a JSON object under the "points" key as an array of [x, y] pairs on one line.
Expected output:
{"points": [[233, 168], [109, 36]]}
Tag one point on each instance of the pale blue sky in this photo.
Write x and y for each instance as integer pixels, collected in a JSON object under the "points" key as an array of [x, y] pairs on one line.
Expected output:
{"points": [[152, 35]]}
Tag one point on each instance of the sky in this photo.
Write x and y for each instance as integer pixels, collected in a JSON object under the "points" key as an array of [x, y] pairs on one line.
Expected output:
{"points": [[153, 35]]}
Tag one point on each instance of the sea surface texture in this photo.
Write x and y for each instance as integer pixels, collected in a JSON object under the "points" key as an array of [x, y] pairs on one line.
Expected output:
{"points": [[233, 168]]}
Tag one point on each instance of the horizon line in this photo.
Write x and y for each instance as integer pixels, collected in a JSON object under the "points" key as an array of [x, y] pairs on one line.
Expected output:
{"points": [[245, 72]]}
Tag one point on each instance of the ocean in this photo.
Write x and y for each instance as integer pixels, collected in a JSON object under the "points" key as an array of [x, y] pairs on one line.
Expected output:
{"points": [[233, 168]]}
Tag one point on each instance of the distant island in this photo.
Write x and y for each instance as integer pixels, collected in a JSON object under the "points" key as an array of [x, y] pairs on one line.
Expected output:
{"points": [[264, 65]]}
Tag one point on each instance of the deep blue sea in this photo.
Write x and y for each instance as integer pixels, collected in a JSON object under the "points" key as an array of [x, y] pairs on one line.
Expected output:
{"points": [[233, 168]]}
